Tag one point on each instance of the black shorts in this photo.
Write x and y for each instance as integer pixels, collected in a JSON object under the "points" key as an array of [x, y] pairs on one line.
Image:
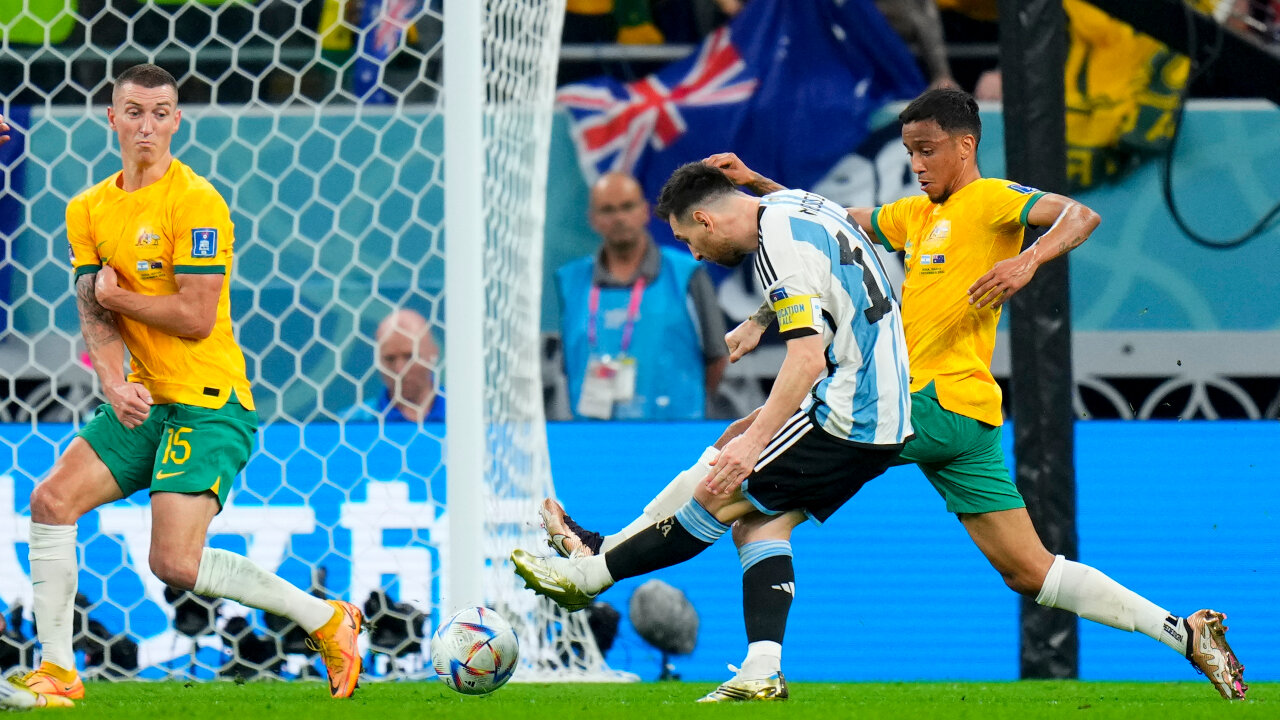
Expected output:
{"points": [[804, 468]]}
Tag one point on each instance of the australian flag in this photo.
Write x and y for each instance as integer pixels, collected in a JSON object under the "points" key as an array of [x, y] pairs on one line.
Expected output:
{"points": [[789, 85], [383, 24]]}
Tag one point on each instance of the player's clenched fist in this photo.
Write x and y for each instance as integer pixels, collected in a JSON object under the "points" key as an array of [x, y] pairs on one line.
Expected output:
{"points": [[105, 286], [130, 401], [743, 339]]}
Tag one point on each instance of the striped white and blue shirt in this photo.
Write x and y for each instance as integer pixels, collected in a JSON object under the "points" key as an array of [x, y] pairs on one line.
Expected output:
{"points": [[821, 275]]}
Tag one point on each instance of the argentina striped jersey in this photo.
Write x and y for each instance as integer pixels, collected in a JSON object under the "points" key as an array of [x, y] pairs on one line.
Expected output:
{"points": [[821, 275]]}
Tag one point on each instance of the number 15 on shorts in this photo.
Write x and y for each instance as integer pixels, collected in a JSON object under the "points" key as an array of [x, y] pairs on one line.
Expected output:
{"points": [[176, 449]]}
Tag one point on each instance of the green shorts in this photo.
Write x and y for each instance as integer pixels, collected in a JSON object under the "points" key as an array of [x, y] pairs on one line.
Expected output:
{"points": [[179, 448], [961, 456]]}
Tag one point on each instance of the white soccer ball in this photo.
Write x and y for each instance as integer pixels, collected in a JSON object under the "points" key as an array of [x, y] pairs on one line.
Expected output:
{"points": [[475, 651]]}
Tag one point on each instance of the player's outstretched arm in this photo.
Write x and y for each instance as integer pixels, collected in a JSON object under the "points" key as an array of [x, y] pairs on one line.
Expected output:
{"points": [[740, 174], [189, 313], [862, 218], [1071, 223], [4, 131], [131, 401]]}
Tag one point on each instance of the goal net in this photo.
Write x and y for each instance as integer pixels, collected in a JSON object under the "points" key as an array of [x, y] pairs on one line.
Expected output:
{"points": [[321, 122]]}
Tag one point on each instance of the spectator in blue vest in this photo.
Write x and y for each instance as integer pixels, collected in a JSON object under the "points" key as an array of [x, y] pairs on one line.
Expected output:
{"points": [[406, 359], [643, 334]]}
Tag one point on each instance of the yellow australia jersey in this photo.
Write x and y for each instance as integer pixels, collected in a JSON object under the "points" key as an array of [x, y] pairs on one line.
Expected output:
{"points": [[177, 225], [948, 246]]}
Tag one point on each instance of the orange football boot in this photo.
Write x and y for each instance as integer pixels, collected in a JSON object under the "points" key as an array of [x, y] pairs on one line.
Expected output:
{"points": [[336, 643], [50, 679]]}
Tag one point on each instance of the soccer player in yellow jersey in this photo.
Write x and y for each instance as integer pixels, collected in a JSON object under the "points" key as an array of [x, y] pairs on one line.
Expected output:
{"points": [[152, 251], [962, 241]]}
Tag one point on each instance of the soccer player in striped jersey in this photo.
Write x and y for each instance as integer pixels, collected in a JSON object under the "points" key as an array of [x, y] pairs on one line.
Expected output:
{"points": [[837, 416], [151, 247], [962, 241]]}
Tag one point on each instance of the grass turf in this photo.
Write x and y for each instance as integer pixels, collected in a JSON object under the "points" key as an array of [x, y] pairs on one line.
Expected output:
{"points": [[672, 701]]}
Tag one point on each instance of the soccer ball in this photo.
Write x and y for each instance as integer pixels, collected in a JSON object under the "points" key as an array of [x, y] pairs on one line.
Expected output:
{"points": [[475, 651]]}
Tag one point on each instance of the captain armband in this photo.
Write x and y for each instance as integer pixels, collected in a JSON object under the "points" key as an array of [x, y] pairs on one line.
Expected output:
{"points": [[802, 313]]}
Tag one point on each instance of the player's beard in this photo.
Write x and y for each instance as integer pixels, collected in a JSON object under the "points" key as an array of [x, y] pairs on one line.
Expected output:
{"points": [[729, 257]]}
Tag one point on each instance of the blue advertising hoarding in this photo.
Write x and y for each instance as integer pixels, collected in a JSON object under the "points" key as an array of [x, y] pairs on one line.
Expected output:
{"points": [[1182, 513]]}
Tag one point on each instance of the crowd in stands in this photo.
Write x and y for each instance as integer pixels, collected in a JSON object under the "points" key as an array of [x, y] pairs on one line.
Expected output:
{"points": [[953, 40]]}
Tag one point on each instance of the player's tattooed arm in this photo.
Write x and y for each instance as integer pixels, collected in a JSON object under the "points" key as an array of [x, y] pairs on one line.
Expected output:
{"points": [[744, 338], [97, 324], [738, 172], [1070, 224], [765, 315], [1068, 244], [762, 185], [130, 401]]}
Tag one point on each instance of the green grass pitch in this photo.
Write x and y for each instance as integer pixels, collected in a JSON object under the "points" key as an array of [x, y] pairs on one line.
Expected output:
{"points": [[672, 701]]}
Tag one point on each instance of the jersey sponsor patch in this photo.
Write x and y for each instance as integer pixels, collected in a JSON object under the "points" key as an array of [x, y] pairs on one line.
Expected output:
{"points": [[204, 242], [795, 313], [1022, 189]]}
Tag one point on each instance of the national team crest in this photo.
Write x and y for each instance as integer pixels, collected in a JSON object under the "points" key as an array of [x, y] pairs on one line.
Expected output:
{"points": [[940, 234], [146, 238], [204, 242]]}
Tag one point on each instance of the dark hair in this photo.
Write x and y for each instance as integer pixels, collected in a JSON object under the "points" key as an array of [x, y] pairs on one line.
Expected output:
{"points": [[148, 76], [954, 111], [690, 185]]}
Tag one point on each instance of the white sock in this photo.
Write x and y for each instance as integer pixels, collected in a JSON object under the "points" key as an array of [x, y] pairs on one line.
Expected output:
{"points": [[235, 577], [54, 572], [1092, 595], [764, 658], [596, 576], [590, 573], [666, 503]]}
